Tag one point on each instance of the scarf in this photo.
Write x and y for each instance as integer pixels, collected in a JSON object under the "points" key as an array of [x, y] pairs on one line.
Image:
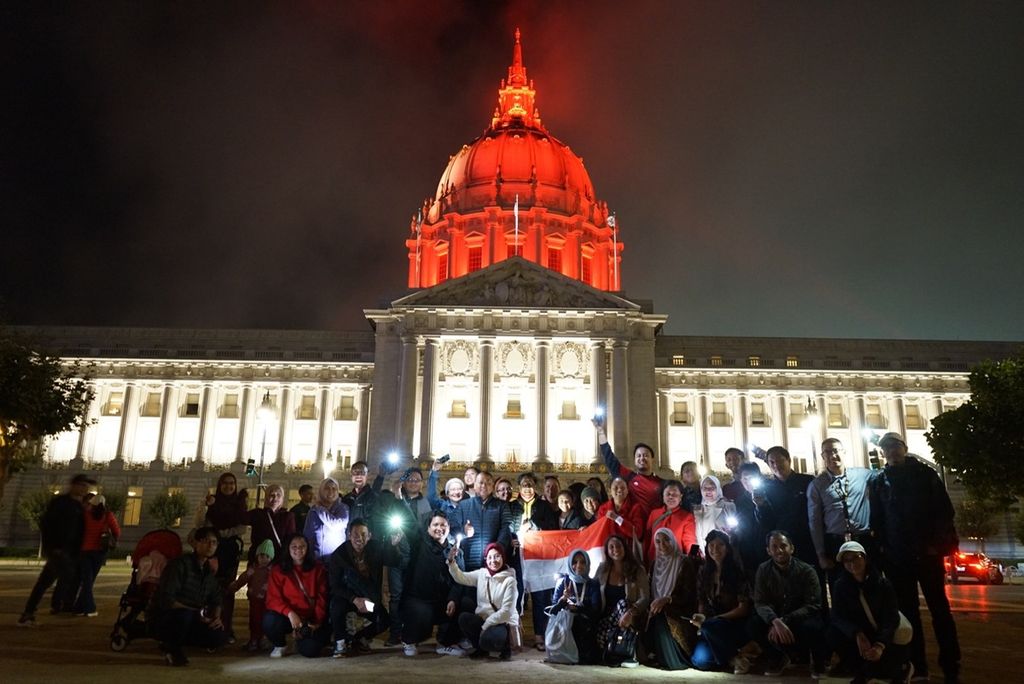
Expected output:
{"points": [[500, 549], [718, 489], [666, 566], [579, 579], [228, 510], [320, 493]]}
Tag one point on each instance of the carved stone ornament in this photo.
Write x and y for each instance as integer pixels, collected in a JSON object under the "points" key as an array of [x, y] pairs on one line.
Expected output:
{"points": [[515, 359], [461, 357], [571, 360]]}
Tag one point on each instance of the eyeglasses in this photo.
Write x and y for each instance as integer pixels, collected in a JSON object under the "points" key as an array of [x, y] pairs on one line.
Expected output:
{"points": [[831, 451]]}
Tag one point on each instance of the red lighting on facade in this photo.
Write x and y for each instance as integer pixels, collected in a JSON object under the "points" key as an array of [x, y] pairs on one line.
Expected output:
{"points": [[515, 191]]}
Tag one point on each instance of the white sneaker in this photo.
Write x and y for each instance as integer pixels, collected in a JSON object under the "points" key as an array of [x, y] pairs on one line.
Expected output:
{"points": [[277, 652], [339, 649], [465, 644], [409, 649], [451, 651], [740, 665]]}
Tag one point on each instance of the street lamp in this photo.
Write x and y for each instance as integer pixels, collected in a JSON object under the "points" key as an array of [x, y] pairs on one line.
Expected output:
{"points": [[264, 414], [811, 422]]}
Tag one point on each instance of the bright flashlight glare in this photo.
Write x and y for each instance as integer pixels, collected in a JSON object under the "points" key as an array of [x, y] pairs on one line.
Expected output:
{"points": [[395, 521], [393, 457], [459, 537], [731, 521], [328, 468], [756, 482], [599, 411]]}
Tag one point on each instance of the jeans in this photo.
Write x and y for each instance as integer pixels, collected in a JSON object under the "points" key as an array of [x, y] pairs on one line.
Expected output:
{"points": [[809, 634], [180, 627], [89, 564], [929, 572], [60, 567], [719, 641], [277, 626], [419, 617], [395, 580], [492, 639]]}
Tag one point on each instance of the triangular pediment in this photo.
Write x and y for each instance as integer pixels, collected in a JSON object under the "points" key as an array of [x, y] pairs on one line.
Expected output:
{"points": [[516, 283]]}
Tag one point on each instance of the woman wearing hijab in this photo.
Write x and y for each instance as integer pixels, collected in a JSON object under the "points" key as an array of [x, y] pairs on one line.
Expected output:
{"points": [[273, 522], [327, 521], [714, 512], [578, 593], [670, 635], [494, 626], [531, 513], [625, 591], [226, 510], [724, 602], [672, 516]]}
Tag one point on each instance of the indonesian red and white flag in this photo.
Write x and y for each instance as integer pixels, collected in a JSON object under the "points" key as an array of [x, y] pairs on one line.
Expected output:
{"points": [[545, 554]]}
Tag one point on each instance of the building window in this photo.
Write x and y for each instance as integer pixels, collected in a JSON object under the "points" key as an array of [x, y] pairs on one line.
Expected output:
{"points": [[133, 507], [476, 258], [792, 362], [678, 360], [114, 405], [229, 409], [568, 410], [514, 408], [307, 408], [836, 418], [758, 417], [459, 409], [151, 408], [800, 464], [586, 269], [191, 407], [754, 361], [914, 419], [873, 417], [716, 360], [719, 416], [680, 413], [796, 415], [442, 268], [347, 408], [554, 259]]}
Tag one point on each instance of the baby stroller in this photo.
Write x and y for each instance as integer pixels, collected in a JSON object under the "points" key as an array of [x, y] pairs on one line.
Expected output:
{"points": [[149, 558]]}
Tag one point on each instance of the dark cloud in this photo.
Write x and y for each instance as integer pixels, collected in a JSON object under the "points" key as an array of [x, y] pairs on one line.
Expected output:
{"points": [[795, 169]]}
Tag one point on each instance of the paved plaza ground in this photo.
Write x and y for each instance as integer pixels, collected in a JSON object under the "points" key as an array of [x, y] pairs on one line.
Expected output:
{"points": [[73, 649]]}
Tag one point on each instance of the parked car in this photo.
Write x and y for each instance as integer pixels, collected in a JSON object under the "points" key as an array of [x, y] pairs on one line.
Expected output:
{"points": [[974, 565]]}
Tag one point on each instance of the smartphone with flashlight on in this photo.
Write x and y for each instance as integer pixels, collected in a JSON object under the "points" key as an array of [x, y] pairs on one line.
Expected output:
{"points": [[445, 458]]}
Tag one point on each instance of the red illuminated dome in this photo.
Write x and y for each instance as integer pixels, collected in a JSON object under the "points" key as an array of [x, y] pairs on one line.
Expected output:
{"points": [[515, 190]]}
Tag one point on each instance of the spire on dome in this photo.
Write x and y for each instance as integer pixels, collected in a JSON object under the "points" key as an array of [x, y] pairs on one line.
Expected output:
{"points": [[516, 95]]}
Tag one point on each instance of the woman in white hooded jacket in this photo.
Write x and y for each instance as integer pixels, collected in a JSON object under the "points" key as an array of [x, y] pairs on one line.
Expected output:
{"points": [[495, 624], [715, 512]]}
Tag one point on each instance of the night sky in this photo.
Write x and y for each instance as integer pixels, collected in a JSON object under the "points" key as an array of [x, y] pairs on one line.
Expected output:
{"points": [[778, 168]]}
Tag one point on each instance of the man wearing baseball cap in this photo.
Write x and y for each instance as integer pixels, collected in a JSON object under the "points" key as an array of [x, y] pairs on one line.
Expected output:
{"points": [[913, 518]]}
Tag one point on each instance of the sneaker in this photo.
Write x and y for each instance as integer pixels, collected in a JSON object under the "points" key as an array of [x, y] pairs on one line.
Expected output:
{"points": [[450, 651], [908, 672], [340, 649], [818, 672], [277, 652], [919, 676], [630, 663], [408, 649], [176, 658], [740, 665], [27, 620], [466, 645], [776, 667]]}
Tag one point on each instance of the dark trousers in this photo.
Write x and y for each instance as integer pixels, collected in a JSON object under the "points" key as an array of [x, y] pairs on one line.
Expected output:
{"points": [[89, 564], [395, 581], [492, 639], [277, 626], [180, 627], [229, 552], [719, 641], [62, 568], [420, 616], [667, 651], [808, 633], [257, 609], [344, 618], [929, 572], [889, 667]]}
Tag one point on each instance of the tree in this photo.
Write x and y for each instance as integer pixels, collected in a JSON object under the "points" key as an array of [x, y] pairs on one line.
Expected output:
{"points": [[980, 441], [39, 396], [976, 518], [167, 508]]}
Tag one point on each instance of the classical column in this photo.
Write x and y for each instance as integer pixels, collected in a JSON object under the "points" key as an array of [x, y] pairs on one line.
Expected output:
{"points": [[87, 435], [430, 346], [207, 422], [664, 420], [129, 417], [323, 441], [859, 446], [780, 422], [168, 419], [486, 379], [246, 422], [287, 419], [819, 402], [897, 415], [741, 420], [700, 428], [363, 400], [543, 347], [406, 418], [598, 385], [620, 395], [935, 408]]}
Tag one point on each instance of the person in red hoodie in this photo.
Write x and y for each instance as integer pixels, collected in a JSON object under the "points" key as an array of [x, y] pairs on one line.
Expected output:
{"points": [[100, 527], [626, 513], [644, 484], [297, 601], [672, 515]]}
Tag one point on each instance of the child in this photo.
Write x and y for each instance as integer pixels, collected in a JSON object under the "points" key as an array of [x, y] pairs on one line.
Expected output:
{"points": [[255, 578]]}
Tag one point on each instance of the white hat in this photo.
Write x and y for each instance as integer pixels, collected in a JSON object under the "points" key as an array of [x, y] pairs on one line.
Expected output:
{"points": [[850, 546]]}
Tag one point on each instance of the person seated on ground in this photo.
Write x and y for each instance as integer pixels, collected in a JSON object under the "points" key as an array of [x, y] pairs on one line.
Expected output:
{"points": [[576, 592], [723, 599], [568, 516], [430, 596], [454, 492], [255, 579], [327, 521], [714, 512], [530, 513], [864, 621], [297, 600], [590, 502], [689, 475], [626, 513], [625, 591], [787, 609], [186, 607], [670, 636], [672, 516], [597, 484], [356, 570], [494, 626]]}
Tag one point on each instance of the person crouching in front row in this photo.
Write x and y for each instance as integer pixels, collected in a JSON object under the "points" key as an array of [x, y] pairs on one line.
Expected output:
{"points": [[495, 624]]}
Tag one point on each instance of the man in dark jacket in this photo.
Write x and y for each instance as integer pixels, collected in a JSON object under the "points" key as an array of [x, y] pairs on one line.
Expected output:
{"points": [[490, 519], [787, 608], [301, 509], [356, 570], [913, 517], [364, 500], [61, 529]]}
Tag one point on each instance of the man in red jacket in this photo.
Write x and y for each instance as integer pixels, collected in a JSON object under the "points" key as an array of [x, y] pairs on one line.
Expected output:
{"points": [[644, 485]]}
